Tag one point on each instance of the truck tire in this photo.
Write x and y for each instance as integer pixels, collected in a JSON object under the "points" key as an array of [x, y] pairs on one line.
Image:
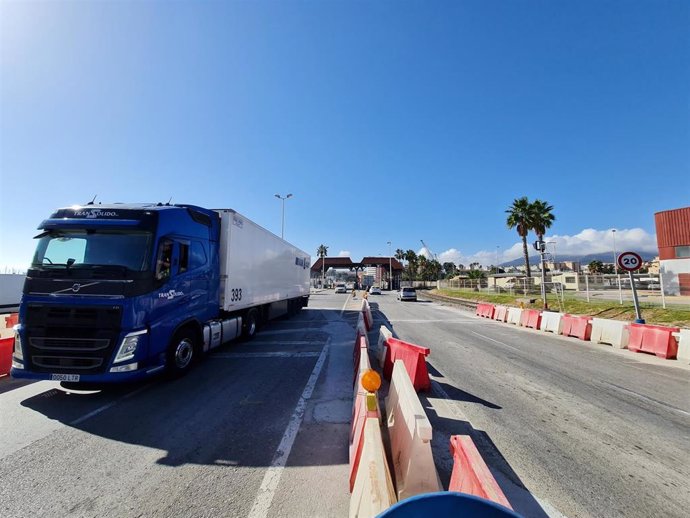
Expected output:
{"points": [[250, 324], [181, 353]]}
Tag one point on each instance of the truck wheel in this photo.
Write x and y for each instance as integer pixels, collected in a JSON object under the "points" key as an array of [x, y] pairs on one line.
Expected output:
{"points": [[250, 324], [181, 353]]}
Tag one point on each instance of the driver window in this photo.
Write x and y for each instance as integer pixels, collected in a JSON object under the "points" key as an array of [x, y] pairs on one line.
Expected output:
{"points": [[164, 259]]}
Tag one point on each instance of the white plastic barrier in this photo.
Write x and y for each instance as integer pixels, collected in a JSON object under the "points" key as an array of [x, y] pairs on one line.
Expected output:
{"points": [[366, 310], [362, 328], [373, 491], [514, 315], [612, 332], [410, 434], [683, 345], [384, 335], [551, 322]]}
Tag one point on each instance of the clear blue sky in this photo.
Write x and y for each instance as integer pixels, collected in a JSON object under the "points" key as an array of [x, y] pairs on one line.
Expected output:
{"points": [[388, 121]]}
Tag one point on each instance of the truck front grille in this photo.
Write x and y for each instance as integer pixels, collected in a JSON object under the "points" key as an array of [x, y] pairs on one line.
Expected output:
{"points": [[67, 339]]}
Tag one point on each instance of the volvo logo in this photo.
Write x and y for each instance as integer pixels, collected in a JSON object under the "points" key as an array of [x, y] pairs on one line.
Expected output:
{"points": [[76, 287]]}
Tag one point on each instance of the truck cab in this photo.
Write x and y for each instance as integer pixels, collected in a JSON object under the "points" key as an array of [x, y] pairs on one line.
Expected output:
{"points": [[118, 292]]}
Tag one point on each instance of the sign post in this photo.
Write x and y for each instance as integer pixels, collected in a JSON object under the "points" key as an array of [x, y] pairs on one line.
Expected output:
{"points": [[630, 261]]}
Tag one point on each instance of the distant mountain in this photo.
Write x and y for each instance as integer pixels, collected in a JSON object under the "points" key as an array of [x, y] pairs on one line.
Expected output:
{"points": [[606, 257]]}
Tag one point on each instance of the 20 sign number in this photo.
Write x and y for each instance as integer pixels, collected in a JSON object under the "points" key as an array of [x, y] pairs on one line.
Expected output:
{"points": [[629, 261]]}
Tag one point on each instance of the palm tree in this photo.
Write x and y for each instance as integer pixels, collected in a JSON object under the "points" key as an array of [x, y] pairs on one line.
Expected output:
{"points": [[541, 217], [519, 217], [412, 262], [322, 252]]}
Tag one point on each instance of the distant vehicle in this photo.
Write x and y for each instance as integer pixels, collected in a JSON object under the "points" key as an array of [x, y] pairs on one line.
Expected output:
{"points": [[407, 294], [340, 288], [375, 290]]}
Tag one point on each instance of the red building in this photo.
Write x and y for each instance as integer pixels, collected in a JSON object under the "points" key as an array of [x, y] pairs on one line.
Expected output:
{"points": [[673, 240]]}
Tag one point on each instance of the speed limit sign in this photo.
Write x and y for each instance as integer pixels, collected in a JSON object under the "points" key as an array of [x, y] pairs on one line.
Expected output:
{"points": [[629, 261]]}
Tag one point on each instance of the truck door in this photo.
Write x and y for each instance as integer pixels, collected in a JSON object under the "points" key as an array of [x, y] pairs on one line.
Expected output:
{"points": [[194, 271], [169, 304]]}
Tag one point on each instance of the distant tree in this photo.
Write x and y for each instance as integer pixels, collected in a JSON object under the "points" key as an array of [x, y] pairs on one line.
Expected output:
{"points": [[595, 267], [461, 266], [476, 274], [450, 269], [519, 214], [475, 266], [399, 254], [412, 264]]}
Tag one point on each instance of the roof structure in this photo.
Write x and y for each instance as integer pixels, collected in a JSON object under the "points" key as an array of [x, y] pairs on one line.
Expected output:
{"points": [[346, 262]]}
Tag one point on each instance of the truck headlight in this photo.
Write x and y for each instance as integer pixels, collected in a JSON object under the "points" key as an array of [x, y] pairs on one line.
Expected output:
{"points": [[17, 354], [129, 346]]}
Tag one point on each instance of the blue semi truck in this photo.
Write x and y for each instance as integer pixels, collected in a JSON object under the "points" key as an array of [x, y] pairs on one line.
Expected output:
{"points": [[119, 292]]}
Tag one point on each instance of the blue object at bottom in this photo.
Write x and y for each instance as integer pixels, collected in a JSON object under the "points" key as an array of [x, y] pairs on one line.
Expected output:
{"points": [[446, 504]]}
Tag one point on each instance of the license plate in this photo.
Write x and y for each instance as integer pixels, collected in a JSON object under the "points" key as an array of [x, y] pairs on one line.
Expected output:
{"points": [[64, 377]]}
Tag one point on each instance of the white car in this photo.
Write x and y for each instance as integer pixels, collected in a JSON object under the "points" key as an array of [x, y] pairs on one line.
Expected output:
{"points": [[407, 294], [340, 288], [374, 290]]}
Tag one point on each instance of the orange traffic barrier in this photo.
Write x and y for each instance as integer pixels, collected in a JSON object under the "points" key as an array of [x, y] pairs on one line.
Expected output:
{"points": [[577, 326], [485, 310], [524, 317], [471, 474], [501, 313], [413, 356], [11, 320], [531, 319], [6, 346], [658, 340]]}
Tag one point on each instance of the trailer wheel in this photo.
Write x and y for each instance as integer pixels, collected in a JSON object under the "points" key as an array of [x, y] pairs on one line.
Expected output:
{"points": [[250, 324], [181, 353]]}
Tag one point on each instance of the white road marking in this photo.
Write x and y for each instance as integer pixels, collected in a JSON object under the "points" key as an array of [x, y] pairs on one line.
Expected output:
{"points": [[496, 341], [267, 491], [345, 305], [279, 354], [109, 405]]}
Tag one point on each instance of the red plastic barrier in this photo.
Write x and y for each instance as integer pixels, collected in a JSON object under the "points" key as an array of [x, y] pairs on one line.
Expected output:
{"points": [[413, 356], [530, 318], [11, 320], [501, 313], [485, 310], [360, 412], [470, 474], [657, 340], [577, 326], [6, 346]]}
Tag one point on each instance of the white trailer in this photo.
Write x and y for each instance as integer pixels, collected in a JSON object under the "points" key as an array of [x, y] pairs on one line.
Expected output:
{"points": [[259, 269]]}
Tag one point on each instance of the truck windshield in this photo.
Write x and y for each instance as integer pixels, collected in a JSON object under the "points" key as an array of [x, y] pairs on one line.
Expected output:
{"points": [[68, 249]]}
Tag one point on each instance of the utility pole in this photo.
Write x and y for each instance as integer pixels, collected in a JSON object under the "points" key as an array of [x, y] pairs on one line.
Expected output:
{"points": [[390, 267], [282, 227]]}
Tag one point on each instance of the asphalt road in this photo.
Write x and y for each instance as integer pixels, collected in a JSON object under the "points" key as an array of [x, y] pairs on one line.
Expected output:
{"points": [[251, 431], [567, 427], [261, 428]]}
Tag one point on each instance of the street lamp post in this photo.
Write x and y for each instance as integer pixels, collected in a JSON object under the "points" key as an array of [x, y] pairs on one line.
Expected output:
{"points": [[615, 267], [282, 226], [390, 267], [496, 270]]}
